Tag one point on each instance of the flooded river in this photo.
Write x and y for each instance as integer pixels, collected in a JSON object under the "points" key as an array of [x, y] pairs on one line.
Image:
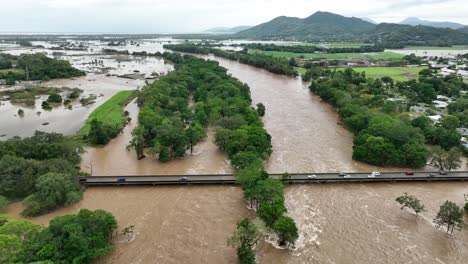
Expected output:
{"points": [[355, 224]]}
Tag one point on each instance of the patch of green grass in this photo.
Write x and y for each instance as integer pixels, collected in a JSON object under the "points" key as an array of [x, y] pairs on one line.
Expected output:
{"points": [[343, 45], [373, 56], [111, 112], [300, 70], [15, 71], [456, 47], [397, 73]]}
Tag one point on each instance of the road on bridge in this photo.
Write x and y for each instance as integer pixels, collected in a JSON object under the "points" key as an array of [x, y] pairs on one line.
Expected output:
{"points": [[296, 178]]}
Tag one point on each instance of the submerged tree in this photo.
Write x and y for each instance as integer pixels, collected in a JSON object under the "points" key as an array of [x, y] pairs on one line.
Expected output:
{"points": [[410, 201], [261, 109], [438, 157], [244, 239], [287, 230], [138, 141], [450, 215], [194, 134], [453, 159]]}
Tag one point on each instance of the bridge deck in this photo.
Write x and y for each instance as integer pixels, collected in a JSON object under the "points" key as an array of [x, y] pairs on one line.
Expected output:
{"points": [[295, 178]]}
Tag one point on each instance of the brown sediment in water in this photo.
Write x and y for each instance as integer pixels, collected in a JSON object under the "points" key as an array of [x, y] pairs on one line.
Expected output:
{"points": [[355, 223], [115, 159], [187, 224]]}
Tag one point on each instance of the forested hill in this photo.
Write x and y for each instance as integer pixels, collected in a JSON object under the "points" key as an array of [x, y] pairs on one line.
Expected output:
{"points": [[324, 26], [464, 30], [416, 35], [318, 25]]}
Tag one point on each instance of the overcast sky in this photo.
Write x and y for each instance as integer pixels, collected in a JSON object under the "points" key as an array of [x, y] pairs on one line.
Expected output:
{"points": [[180, 16]]}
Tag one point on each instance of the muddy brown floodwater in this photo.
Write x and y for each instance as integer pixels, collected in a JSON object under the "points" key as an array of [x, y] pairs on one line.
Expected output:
{"points": [[349, 224]]}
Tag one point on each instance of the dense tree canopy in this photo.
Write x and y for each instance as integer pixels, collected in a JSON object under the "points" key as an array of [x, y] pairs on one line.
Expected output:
{"points": [[42, 167], [76, 238], [171, 126], [271, 64]]}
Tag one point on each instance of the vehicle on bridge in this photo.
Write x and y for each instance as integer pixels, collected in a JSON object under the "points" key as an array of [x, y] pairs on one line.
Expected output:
{"points": [[374, 174], [183, 179], [312, 176], [121, 179]]}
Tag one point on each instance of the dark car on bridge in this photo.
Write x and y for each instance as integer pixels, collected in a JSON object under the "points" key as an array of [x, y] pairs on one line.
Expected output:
{"points": [[121, 179]]}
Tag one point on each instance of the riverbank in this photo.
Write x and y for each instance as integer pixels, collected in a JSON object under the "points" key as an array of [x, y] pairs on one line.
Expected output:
{"points": [[111, 113]]}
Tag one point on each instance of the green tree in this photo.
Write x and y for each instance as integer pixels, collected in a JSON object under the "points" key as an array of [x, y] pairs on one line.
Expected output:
{"points": [[194, 134], [138, 141], [422, 122], [244, 159], [3, 202], [453, 159], [10, 247], [271, 212], [450, 215], [438, 158], [287, 230], [410, 201], [261, 109], [76, 238], [54, 98], [52, 191], [450, 122], [244, 239], [97, 133]]}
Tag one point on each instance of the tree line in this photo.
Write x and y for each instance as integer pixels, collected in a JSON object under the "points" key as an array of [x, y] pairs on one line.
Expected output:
{"points": [[169, 126], [384, 134], [269, 63], [36, 67], [313, 48], [42, 170]]}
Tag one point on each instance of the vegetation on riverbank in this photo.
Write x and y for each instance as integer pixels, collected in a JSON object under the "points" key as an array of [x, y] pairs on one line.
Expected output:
{"points": [[288, 55], [78, 238], [269, 63], [107, 120], [314, 49], [42, 170], [35, 67], [385, 136], [224, 103], [219, 100]]}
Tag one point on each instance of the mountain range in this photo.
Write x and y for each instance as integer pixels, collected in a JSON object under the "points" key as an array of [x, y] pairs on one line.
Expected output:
{"points": [[325, 26], [414, 21], [227, 30]]}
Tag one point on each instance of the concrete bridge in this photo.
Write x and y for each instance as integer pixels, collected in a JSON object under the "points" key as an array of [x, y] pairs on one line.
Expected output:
{"points": [[293, 178]]}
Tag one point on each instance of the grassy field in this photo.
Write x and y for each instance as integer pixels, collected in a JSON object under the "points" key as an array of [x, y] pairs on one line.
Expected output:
{"points": [[16, 71], [111, 112], [460, 47], [374, 56], [397, 73], [343, 45]]}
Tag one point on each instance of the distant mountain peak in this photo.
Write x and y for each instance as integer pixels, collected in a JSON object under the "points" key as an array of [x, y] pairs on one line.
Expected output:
{"points": [[227, 30], [369, 20], [415, 21]]}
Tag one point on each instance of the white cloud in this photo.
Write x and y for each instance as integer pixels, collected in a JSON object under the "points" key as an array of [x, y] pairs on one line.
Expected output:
{"points": [[192, 16]]}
